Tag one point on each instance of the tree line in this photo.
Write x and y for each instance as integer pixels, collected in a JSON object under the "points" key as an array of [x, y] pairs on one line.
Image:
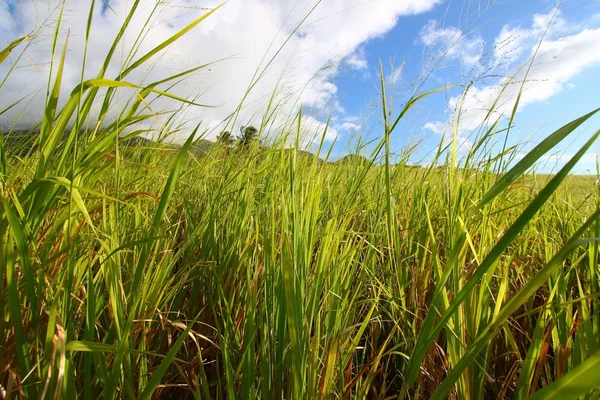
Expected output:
{"points": [[248, 136]]}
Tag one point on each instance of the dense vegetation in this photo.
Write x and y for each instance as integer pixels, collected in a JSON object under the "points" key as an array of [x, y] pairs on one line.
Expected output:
{"points": [[145, 271]]}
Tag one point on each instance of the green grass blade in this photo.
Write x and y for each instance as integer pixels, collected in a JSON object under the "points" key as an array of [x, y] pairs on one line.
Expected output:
{"points": [[167, 42], [22, 244], [14, 302], [426, 338], [6, 51], [165, 199], [578, 382], [164, 365], [110, 83], [526, 162], [50, 112]]}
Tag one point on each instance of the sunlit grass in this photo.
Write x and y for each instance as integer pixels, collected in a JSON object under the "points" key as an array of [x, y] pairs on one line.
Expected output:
{"points": [[251, 272]]}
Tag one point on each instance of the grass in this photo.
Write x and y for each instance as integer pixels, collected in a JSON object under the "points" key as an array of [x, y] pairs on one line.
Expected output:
{"points": [[149, 271]]}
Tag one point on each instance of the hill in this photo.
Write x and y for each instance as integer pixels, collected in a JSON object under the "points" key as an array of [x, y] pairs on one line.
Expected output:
{"points": [[353, 159]]}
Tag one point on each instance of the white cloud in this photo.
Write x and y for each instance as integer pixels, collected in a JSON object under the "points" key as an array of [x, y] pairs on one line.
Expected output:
{"points": [[357, 60], [560, 58], [245, 33], [349, 127], [311, 132], [439, 128], [514, 41], [510, 45], [452, 43], [433, 34], [557, 62], [396, 75]]}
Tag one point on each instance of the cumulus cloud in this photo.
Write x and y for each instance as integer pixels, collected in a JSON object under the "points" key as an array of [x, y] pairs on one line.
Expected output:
{"points": [[514, 41], [358, 60], [396, 74], [439, 128], [561, 55], [452, 43], [244, 35], [350, 127]]}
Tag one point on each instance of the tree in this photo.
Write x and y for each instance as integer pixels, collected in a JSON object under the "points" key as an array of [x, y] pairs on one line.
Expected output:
{"points": [[248, 135], [225, 138]]}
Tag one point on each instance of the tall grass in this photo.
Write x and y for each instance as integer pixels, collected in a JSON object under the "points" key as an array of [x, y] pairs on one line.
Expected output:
{"points": [[136, 272]]}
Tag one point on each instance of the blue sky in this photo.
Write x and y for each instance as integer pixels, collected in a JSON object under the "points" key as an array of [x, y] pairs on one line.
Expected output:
{"points": [[403, 45], [330, 65]]}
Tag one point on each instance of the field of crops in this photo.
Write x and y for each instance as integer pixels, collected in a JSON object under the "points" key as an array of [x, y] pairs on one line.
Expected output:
{"points": [[154, 271]]}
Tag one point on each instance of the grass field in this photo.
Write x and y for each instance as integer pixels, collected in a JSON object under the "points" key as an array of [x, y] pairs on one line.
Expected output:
{"points": [[154, 272]]}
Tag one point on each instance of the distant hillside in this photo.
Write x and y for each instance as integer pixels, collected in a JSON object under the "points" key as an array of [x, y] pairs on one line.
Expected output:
{"points": [[305, 155], [137, 141], [22, 142], [202, 147], [353, 159]]}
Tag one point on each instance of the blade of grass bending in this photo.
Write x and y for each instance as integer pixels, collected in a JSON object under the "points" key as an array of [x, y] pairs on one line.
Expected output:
{"points": [[83, 346], [529, 288], [10, 106], [413, 100], [90, 323], [579, 381], [167, 42], [111, 386], [49, 137], [52, 101], [87, 105], [118, 38], [130, 116], [22, 244], [55, 37], [513, 305], [87, 346], [524, 81], [165, 198], [381, 145], [2, 162], [534, 155], [49, 342], [530, 361], [52, 95], [257, 77], [76, 196], [426, 338], [164, 365], [113, 84], [14, 306], [293, 310], [4, 53]]}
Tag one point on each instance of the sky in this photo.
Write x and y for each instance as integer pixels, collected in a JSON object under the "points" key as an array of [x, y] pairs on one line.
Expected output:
{"points": [[324, 58]]}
